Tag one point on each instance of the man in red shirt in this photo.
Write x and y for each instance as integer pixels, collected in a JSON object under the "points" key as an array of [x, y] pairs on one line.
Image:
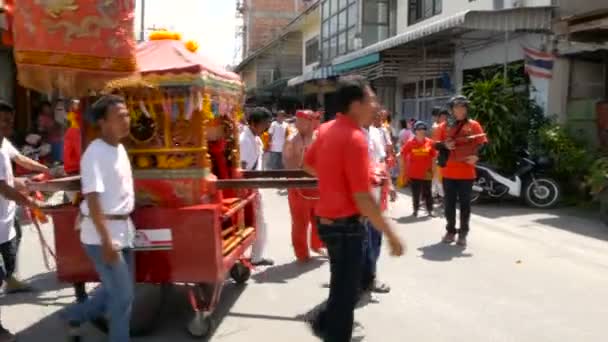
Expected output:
{"points": [[420, 151], [302, 201], [339, 158], [462, 137]]}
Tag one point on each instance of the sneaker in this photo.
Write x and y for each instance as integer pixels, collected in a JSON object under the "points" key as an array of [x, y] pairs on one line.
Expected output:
{"points": [[449, 238], [380, 287], [430, 213], [13, 285], [73, 332], [263, 262], [415, 213], [6, 336], [462, 241], [322, 252]]}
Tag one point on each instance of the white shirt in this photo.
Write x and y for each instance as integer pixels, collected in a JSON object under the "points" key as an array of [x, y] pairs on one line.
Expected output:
{"points": [[8, 148], [251, 149], [377, 153], [8, 208], [376, 144], [277, 132], [106, 169]]}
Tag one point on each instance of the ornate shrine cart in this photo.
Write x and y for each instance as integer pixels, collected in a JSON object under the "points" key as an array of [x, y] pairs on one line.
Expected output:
{"points": [[195, 214]]}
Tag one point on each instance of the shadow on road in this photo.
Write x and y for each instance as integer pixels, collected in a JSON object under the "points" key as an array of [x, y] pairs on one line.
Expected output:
{"points": [[411, 219], [41, 284], [285, 272], [573, 219], [442, 252], [175, 316]]}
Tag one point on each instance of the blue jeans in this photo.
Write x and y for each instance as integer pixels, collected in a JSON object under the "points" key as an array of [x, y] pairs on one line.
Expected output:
{"points": [[275, 161], [372, 248], [113, 298], [344, 240]]}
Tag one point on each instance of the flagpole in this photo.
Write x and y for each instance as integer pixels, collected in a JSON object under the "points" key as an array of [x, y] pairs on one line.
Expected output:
{"points": [[505, 66], [142, 25]]}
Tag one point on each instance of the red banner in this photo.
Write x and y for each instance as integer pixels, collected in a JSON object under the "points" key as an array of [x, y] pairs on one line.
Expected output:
{"points": [[73, 46]]}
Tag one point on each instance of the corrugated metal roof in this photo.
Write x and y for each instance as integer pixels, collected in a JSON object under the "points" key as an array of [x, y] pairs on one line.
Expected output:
{"points": [[516, 19], [319, 74]]}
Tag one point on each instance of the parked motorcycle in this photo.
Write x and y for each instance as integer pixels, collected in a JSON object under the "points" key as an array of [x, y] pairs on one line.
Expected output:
{"points": [[528, 183]]}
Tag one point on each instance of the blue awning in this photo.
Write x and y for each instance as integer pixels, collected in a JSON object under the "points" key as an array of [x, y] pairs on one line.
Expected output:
{"points": [[318, 74], [357, 63]]}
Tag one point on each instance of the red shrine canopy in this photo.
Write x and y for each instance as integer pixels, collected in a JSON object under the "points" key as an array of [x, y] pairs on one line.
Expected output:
{"points": [[169, 62]]}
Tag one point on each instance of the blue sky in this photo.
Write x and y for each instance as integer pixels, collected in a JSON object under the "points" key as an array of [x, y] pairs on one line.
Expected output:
{"points": [[211, 23]]}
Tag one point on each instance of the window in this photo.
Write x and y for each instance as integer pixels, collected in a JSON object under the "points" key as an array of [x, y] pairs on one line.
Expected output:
{"points": [[420, 10], [339, 27], [377, 20], [312, 51]]}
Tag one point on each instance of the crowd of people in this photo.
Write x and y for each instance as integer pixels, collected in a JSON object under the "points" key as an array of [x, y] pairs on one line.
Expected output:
{"points": [[352, 157]]}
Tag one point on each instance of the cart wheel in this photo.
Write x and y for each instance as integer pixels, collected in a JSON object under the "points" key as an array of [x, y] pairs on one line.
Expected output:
{"points": [[201, 325], [80, 292], [147, 306], [240, 273]]}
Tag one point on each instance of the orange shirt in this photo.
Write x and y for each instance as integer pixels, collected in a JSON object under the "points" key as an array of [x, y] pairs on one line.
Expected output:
{"points": [[72, 150], [456, 167], [339, 155], [421, 155]]}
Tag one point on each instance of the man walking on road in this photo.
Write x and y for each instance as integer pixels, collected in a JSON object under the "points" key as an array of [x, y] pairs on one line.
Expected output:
{"points": [[252, 150], [9, 198], [302, 202], [339, 158], [381, 189], [278, 134], [106, 229], [461, 138], [14, 285]]}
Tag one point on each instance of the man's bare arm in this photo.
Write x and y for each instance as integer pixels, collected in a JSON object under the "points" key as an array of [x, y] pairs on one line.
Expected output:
{"points": [[370, 209], [291, 160], [13, 194], [29, 164], [98, 217], [308, 169]]}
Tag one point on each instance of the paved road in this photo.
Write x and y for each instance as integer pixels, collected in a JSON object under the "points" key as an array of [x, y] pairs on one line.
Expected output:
{"points": [[526, 276]]}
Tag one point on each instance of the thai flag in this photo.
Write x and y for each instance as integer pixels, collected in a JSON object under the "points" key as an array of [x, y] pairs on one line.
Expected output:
{"points": [[538, 63]]}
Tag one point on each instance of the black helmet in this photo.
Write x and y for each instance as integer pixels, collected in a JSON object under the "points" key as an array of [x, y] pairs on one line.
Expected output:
{"points": [[458, 100], [420, 125]]}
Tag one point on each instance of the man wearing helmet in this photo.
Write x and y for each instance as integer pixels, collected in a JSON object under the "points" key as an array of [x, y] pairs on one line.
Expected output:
{"points": [[459, 139]]}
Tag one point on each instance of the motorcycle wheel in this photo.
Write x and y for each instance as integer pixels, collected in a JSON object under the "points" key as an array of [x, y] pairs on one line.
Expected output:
{"points": [[543, 193], [475, 197]]}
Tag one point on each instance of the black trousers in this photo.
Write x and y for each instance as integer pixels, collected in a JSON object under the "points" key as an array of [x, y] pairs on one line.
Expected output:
{"points": [[8, 259], [422, 188], [344, 239], [457, 191]]}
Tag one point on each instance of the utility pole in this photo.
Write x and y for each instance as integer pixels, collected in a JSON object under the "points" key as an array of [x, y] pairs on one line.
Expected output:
{"points": [[142, 24]]}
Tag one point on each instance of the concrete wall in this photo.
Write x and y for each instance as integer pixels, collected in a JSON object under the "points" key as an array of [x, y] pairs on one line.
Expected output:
{"points": [[497, 52], [574, 7], [264, 19], [249, 75]]}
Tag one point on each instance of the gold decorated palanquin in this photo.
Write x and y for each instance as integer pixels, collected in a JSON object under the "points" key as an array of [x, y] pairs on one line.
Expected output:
{"points": [[73, 47], [183, 112]]}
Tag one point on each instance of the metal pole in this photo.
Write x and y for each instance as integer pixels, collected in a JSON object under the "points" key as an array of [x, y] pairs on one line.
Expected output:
{"points": [[142, 24], [505, 65]]}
